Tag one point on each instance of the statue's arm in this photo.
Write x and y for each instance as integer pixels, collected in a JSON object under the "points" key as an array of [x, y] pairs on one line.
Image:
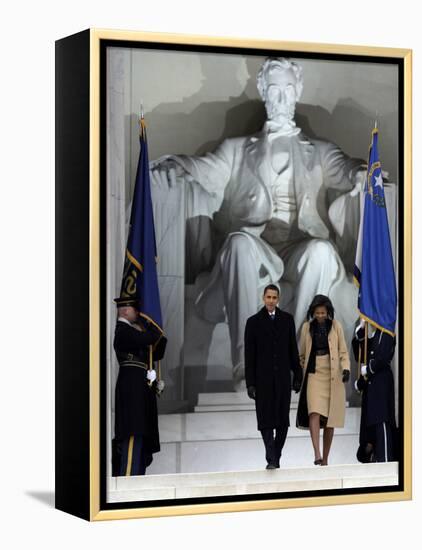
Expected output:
{"points": [[210, 171], [341, 172]]}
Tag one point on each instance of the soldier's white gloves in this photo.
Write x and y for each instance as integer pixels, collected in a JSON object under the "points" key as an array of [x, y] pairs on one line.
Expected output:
{"points": [[364, 370], [151, 375], [160, 386]]}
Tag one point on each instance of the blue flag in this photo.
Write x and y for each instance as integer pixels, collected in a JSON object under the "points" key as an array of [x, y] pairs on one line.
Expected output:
{"points": [[140, 279], [374, 266]]}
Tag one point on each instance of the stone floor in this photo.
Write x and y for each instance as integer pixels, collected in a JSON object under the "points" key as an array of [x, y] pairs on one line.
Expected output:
{"points": [[217, 450], [171, 486], [221, 435]]}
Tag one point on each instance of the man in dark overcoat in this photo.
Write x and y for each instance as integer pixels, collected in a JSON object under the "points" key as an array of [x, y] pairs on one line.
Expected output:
{"points": [[377, 435], [270, 355], [136, 418]]}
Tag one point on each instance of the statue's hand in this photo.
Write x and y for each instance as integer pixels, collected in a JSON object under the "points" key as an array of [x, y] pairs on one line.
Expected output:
{"points": [[360, 178], [359, 182], [165, 171]]}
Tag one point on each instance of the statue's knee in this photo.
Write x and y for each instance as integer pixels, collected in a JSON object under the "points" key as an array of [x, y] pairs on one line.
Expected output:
{"points": [[239, 244], [320, 250]]}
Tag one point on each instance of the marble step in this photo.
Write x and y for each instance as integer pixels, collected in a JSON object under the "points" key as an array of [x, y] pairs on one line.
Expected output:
{"points": [[344, 476], [232, 401], [245, 454], [172, 407], [227, 425]]}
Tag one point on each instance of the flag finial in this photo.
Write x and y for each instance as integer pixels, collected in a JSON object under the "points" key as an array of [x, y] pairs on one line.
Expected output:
{"points": [[142, 124]]}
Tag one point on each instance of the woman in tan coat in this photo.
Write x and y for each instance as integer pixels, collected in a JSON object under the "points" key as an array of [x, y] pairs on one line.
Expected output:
{"points": [[325, 360]]}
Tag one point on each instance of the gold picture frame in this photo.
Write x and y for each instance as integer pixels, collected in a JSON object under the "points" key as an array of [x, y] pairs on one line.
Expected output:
{"points": [[80, 167]]}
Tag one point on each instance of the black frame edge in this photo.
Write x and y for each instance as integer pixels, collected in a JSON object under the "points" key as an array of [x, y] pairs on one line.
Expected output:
{"points": [[72, 473]]}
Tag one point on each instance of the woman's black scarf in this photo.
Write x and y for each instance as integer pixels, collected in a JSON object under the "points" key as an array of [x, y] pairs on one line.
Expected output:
{"points": [[312, 327]]}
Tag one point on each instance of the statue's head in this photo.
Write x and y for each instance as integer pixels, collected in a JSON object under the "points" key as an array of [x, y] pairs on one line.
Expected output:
{"points": [[280, 85]]}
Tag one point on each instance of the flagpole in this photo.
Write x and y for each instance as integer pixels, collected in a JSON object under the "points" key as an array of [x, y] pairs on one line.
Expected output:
{"points": [[150, 366], [359, 364], [140, 270], [365, 351]]}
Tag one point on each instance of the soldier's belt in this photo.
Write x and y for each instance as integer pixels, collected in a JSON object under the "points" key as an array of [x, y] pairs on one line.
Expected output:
{"points": [[132, 363]]}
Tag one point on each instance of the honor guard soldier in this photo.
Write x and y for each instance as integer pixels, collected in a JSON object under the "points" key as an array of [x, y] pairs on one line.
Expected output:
{"points": [[377, 436], [137, 343]]}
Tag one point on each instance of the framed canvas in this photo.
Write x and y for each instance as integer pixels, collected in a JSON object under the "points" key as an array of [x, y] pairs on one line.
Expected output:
{"points": [[239, 201]]}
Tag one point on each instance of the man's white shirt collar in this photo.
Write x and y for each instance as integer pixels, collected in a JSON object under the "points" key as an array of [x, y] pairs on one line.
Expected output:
{"points": [[123, 320]]}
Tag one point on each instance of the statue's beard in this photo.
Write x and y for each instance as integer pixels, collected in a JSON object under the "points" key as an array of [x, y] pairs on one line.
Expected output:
{"points": [[282, 116]]}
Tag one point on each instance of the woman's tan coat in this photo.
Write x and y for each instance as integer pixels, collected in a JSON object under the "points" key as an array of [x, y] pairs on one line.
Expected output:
{"points": [[339, 361]]}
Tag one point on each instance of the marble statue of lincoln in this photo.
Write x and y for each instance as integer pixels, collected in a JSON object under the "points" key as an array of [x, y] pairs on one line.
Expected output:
{"points": [[259, 210]]}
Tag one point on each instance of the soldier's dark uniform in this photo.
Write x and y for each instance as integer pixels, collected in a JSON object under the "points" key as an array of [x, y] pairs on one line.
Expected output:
{"points": [[378, 424], [136, 419]]}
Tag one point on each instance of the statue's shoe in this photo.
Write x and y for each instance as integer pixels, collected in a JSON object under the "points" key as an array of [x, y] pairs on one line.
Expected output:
{"points": [[239, 386], [239, 378]]}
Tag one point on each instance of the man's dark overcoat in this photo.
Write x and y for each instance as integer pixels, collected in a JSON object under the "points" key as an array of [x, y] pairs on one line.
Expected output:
{"points": [[270, 355], [136, 404]]}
